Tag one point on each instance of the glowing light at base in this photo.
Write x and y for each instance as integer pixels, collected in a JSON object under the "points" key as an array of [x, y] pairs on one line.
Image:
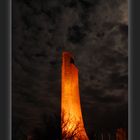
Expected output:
{"points": [[121, 134], [71, 115]]}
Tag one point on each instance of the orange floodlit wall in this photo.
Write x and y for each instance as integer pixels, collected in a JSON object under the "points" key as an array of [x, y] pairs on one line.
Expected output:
{"points": [[71, 116]]}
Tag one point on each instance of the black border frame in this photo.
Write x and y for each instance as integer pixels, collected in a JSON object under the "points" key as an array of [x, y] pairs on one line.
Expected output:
{"points": [[5, 69], [134, 70]]}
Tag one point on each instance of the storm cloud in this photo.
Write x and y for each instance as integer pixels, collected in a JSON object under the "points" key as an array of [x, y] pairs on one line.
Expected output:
{"points": [[96, 32]]}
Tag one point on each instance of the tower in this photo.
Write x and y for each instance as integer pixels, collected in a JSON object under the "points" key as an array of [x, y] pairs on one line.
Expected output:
{"points": [[71, 115]]}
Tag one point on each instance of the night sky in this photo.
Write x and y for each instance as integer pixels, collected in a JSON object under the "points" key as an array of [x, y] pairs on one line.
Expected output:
{"points": [[96, 32]]}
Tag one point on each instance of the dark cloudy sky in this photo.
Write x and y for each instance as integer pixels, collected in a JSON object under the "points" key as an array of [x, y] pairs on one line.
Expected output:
{"points": [[96, 32]]}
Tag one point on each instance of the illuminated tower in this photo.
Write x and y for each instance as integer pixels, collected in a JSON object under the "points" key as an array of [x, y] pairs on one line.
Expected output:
{"points": [[71, 116]]}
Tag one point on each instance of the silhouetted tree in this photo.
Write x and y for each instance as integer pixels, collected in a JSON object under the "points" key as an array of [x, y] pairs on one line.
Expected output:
{"points": [[50, 128], [18, 128], [71, 133]]}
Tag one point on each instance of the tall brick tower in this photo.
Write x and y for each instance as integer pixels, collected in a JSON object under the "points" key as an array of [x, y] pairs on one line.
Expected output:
{"points": [[71, 115]]}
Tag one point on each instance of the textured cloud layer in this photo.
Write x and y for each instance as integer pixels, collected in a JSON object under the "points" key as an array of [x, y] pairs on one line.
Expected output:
{"points": [[96, 32]]}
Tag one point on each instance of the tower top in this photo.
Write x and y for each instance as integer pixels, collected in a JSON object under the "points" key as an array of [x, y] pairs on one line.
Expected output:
{"points": [[67, 53], [68, 56]]}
